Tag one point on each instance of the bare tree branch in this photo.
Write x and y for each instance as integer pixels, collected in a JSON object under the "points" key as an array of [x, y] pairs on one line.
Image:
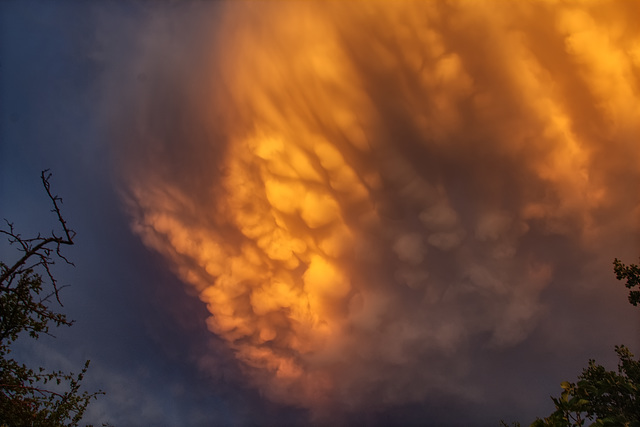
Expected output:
{"points": [[39, 247]]}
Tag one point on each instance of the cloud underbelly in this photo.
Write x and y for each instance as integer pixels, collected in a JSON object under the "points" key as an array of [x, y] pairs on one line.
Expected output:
{"points": [[387, 176]]}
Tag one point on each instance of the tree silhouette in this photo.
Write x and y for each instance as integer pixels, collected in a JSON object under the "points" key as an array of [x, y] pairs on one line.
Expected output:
{"points": [[36, 397], [602, 397]]}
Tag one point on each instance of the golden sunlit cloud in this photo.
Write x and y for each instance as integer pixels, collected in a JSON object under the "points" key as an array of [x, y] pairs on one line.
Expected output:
{"points": [[379, 174]]}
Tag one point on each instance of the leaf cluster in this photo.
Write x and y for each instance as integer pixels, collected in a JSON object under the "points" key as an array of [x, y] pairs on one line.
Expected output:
{"points": [[23, 307], [40, 398], [631, 274]]}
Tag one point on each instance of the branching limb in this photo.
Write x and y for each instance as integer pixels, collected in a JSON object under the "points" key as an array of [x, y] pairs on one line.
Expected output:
{"points": [[39, 247]]}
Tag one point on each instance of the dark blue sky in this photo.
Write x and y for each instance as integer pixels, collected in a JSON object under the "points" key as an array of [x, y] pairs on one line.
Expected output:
{"points": [[142, 348], [150, 350]]}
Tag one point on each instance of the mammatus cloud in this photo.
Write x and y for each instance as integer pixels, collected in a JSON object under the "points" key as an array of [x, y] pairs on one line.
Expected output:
{"points": [[358, 191]]}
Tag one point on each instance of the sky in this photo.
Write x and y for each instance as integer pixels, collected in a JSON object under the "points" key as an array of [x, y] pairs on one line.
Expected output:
{"points": [[327, 213]]}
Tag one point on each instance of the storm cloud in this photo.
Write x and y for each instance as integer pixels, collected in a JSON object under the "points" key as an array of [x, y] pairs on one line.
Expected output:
{"points": [[376, 201]]}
